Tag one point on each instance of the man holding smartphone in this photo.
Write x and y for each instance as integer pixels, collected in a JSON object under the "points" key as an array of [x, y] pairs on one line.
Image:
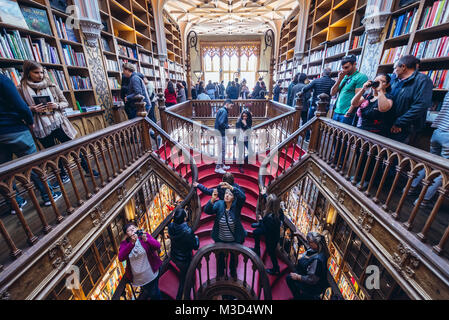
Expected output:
{"points": [[350, 81]]}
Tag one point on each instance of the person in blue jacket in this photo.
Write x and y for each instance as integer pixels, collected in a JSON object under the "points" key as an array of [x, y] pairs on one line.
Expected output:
{"points": [[227, 226], [221, 124], [228, 178]]}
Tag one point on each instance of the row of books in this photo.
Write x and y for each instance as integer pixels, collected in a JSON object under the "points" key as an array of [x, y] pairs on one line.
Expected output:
{"points": [[337, 49], [80, 83], [402, 24], [15, 46], [112, 65], [316, 55], [145, 58], [127, 51], [73, 58], [358, 41], [393, 54], [24, 17], [63, 31], [435, 14], [113, 83], [57, 76], [334, 65], [439, 78], [147, 71], [13, 74], [432, 48]]}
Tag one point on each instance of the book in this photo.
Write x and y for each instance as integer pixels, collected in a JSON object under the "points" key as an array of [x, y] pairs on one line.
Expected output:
{"points": [[36, 19], [10, 13], [41, 99]]}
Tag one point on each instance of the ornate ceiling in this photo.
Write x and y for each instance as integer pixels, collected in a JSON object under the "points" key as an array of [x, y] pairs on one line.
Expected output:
{"points": [[240, 17]]}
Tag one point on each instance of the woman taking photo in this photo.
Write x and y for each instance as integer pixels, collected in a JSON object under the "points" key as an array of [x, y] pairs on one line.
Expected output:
{"points": [[373, 103], [140, 251], [244, 122], [170, 94], [227, 226], [50, 124]]}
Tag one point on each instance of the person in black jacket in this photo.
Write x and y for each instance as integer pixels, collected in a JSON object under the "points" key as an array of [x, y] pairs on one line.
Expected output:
{"points": [[227, 226], [319, 86], [183, 241], [232, 91], [244, 123], [309, 280], [221, 124], [277, 91], [412, 94], [269, 226]]}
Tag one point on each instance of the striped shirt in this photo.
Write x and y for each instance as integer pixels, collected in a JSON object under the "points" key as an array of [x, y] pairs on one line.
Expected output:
{"points": [[224, 234], [442, 120]]}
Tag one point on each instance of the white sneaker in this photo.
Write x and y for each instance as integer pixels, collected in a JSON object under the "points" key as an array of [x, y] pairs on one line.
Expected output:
{"points": [[226, 167], [220, 171]]}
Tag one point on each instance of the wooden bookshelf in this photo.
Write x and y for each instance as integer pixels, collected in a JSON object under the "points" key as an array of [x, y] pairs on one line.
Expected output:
{"points": [[417, 33], [334, 29], [58, 41], [174, 68]]}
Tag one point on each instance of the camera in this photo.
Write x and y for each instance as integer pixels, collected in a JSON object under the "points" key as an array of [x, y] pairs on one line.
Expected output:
{"points": [[139, 233], [374, 84]]}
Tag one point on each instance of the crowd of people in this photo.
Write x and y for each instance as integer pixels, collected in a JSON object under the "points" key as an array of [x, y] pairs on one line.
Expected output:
{"points": [[234, 90]]}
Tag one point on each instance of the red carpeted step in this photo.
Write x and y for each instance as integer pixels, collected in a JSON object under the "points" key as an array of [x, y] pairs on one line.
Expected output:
{"points": [[168, 283]]}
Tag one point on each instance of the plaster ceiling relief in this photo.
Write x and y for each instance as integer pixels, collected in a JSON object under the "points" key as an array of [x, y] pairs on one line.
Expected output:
{"points": [[224, 17]]}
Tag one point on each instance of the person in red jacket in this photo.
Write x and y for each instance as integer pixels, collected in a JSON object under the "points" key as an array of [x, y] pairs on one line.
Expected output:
{"points": [[170, 94], [140, 251]]}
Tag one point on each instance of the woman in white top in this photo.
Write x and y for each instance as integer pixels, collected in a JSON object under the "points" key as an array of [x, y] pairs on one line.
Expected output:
{"points": [[140, 251]]}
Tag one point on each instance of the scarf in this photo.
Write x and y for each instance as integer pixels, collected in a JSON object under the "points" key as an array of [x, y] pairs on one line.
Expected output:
{"points": [[45, 124]]}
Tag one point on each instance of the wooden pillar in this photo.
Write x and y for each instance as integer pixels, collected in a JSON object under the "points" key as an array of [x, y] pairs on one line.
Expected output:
{"points": [[141, 112], [298, 109], [322, 105], [270, 86], [161, 107], [188, 78]]}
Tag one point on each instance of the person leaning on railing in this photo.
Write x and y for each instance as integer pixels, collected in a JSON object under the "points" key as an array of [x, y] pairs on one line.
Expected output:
{"points": [[16, 121], [183, 241], [50, 123], [140, 251], [227, 225], [309, 280]]}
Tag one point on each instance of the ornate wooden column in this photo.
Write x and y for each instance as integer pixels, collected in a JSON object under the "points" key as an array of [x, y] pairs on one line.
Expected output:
{"points": [[192, 40], [269, 42], [322, 105]]}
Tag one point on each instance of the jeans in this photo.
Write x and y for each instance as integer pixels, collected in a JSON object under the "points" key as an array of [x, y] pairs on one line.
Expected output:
{"points": [[439, 145], [151, 290], [341, 118], [271, 249], [241, 148], [21, 144], [222, 155], [221, 265], [61, 136], [131, 111], [183, 267]]}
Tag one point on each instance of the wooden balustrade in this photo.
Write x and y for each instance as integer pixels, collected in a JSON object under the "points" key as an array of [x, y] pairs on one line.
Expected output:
{"points": [[202, 282], [209, 108]]}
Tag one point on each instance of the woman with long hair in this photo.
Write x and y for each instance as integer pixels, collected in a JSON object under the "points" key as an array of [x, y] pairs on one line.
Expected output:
{"points": [[170, 94], [181, 93], [270, 227], [50, 122], [244, 123]]}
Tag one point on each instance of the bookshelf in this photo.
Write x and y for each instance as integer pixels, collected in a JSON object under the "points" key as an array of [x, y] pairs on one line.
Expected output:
{"points": [[173, 68], [423, 32], [334, 29], [57, 48]]}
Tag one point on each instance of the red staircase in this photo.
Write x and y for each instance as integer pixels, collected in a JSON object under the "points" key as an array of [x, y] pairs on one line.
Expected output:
{"points": [[249, 182]]}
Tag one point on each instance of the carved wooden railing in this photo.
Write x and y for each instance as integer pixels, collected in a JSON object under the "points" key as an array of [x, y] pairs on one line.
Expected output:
{"points": [[379, 173], [209, 108], [204, 283], [114, 153], [205, 140]]}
